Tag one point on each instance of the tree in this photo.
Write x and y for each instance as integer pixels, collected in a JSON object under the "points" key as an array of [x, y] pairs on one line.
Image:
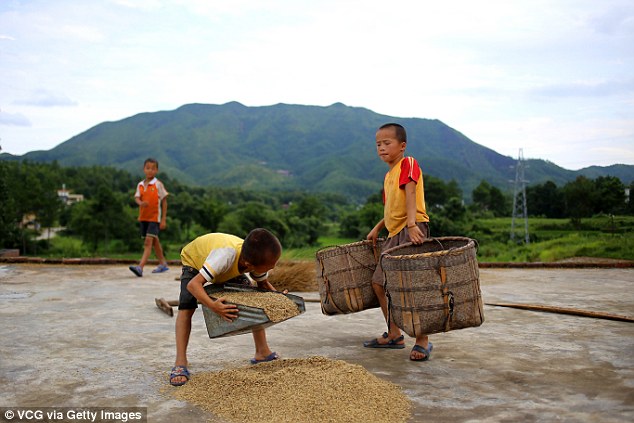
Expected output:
{"points": [[438, 193], [210, 213], [580, 197], [450, 220], [103, 219], [629, 204], [48, 210], [545, 200], [610, 193], [8, 225], [358, 223], [486, 197], [253, 215], [183, 207], [304, 219]]}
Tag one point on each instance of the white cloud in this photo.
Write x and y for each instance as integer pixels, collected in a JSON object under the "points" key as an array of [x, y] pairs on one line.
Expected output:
{"points": [[46, 98], [13, 119]]}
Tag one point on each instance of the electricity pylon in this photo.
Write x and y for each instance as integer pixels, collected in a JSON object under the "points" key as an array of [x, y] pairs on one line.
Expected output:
{"points": [[519, 198]]}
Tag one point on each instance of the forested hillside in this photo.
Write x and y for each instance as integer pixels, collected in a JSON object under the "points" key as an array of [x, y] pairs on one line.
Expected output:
{"points": [[288, 147]]}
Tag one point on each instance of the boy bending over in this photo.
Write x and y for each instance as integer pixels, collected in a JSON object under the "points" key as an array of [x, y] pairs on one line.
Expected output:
{"points": [[220, 258]]}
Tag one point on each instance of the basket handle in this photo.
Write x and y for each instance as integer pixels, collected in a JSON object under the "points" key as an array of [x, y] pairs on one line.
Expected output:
{"points": [[375, 250]]}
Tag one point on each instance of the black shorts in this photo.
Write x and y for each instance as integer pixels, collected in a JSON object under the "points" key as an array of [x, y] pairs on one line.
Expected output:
{"points": [[149, 229], [186, 301]]}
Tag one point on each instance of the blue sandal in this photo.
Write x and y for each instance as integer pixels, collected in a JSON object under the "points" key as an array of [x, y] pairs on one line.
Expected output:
{"points": [[422, 350], [270, 357], [392, 344], [179, 371], [161, 268]]}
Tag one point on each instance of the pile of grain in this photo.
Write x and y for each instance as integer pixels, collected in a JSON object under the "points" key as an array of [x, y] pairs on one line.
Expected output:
{"points": [[314, 389], [276, 306]]}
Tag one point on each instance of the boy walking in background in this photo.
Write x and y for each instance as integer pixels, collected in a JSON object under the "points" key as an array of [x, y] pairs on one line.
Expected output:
{"points": [[220, 258], [406, 220], [151, 197]]}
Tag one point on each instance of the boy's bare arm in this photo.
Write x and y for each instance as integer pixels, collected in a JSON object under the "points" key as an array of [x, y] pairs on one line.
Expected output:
{"points": [[163, 223], [227, 311], [415, 234], [265, 284], [140, 202], [374, 233]]}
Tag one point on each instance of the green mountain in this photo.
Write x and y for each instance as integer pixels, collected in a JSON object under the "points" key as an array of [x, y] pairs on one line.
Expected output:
{"points": [[283, 147]]}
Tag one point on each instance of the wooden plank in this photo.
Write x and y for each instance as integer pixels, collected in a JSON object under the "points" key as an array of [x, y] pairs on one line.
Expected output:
{"points": [[164, 306], [565, 310]]}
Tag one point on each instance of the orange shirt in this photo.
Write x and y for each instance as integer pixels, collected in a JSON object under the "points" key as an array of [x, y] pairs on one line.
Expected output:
{"points": [[395, 211], [153, 192]]}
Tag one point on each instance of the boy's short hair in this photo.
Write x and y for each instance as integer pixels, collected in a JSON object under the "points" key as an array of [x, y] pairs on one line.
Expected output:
{"points": [[399, 130], [260, 247], [151, 160]]}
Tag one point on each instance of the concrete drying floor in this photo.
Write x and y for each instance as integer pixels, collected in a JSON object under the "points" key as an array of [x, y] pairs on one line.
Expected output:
{"points": [[90, 336]]}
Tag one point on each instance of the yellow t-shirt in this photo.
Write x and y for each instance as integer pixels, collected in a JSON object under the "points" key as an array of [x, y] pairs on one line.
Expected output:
{"points": [[395, 211], [216, 257]]}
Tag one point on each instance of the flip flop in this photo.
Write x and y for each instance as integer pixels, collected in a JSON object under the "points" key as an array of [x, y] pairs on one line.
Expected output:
{"points": [[136, 270], [422, 350], [161, 268], [179, 371], [392, 344], [270, 357]]}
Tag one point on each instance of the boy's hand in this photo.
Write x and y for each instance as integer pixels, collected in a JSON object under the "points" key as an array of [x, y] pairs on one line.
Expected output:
{"points": [[415, 235], [228, 312], [163, 225], [372, 236], [143, 204]]}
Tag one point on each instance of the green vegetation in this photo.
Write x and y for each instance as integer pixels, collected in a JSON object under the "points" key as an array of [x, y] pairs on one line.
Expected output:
{"points": [[556, 239], [583, 218]]}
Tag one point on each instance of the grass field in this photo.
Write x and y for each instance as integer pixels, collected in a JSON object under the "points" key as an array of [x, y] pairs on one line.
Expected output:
{"points": [[555, 239]]}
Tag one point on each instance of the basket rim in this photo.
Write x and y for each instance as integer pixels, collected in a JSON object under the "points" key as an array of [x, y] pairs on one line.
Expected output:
{"points": [[351, 244], [470, 243]]}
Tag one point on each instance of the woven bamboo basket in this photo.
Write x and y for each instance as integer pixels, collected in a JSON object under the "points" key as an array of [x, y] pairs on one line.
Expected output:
{"points": [[434, 286], [344, 276]]}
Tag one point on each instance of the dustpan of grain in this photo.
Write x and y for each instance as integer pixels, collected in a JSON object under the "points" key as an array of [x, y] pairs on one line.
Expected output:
{"points": [[344, 276], [434, 286], [257, 308]]}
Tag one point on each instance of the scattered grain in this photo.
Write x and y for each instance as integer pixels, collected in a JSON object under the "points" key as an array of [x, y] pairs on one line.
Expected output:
{"points": [[276, 306], [315, 389]]}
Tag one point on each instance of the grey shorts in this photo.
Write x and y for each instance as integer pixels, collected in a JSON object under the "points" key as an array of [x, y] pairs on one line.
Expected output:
{"points": [[186, 301], [398, 239], [149, 229]]}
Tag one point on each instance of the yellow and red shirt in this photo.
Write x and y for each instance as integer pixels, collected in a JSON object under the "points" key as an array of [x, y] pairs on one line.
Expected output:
{"points": [[395, 211], [153, 192], [216, 257]]}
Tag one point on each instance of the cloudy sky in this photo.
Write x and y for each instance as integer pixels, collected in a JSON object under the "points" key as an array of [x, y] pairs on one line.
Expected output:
{"points": [[554, 78]]}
